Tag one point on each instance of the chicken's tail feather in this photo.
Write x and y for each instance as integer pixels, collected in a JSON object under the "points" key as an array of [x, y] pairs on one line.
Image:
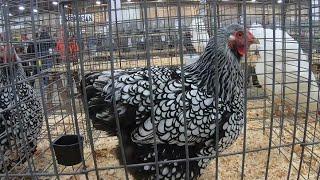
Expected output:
{"points": [[102, 110]]}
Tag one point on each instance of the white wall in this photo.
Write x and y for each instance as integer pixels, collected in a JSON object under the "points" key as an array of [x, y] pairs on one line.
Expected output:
{"points": [[123, 14]]}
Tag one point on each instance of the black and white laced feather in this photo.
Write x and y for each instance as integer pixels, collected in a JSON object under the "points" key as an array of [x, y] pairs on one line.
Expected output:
{"points": [[20, 116], [133, 105]]}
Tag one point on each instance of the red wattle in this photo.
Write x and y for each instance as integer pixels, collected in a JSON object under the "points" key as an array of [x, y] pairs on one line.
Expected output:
{"points": [[241, 51]]}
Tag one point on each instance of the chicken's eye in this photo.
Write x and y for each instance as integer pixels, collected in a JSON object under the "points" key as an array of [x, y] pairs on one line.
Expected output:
{"points": [[239, 34]]}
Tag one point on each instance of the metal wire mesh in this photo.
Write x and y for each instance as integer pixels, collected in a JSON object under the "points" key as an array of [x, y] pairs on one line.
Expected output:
{"points": [[59, 42]]}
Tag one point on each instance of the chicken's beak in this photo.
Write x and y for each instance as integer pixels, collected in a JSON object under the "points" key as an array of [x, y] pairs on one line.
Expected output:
{"points": [[255, 41], [252, 39]]}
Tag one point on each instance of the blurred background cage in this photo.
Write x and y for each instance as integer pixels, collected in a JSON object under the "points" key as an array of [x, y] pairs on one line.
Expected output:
{"points": [[60, 41]]}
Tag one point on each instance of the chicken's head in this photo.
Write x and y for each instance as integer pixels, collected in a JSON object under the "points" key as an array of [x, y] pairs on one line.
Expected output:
{"points": [[237, 41]]}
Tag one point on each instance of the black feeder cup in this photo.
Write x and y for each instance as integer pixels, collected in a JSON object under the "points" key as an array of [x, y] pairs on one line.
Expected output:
{"points": [[67, 149]]}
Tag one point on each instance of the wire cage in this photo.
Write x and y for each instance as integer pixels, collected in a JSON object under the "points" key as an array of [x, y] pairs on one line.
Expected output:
{"points": [[56, 44]]}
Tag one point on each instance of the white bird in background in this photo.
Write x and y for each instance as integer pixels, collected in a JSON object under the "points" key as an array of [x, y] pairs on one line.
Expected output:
{"points": [[290, 69], [199, 34]]}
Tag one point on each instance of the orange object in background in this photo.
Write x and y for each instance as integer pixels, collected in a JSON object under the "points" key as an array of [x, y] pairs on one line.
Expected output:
{"points": [[72, 46]]}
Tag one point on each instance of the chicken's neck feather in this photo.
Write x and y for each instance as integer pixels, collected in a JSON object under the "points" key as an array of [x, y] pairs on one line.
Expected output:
{"points": [[217, 55]]}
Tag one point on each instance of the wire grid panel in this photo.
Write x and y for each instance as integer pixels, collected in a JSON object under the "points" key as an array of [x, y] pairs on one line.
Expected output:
{"points": [[280, 139], [33, 34]]}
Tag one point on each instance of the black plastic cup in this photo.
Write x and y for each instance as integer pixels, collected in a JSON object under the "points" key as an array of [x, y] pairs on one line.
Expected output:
{"points": [[67, 149]]}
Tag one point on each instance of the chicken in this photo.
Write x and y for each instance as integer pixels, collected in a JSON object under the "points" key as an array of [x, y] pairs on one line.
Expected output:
{"points": [[291, 70], [20, 113], [134, 107]]}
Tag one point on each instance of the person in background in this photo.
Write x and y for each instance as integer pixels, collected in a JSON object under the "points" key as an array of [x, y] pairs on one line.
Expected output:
{"points": [[70, 57], [33, 63], [72, 47], [27, 50], [24, 40], [72, 54], [45, 44]]}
